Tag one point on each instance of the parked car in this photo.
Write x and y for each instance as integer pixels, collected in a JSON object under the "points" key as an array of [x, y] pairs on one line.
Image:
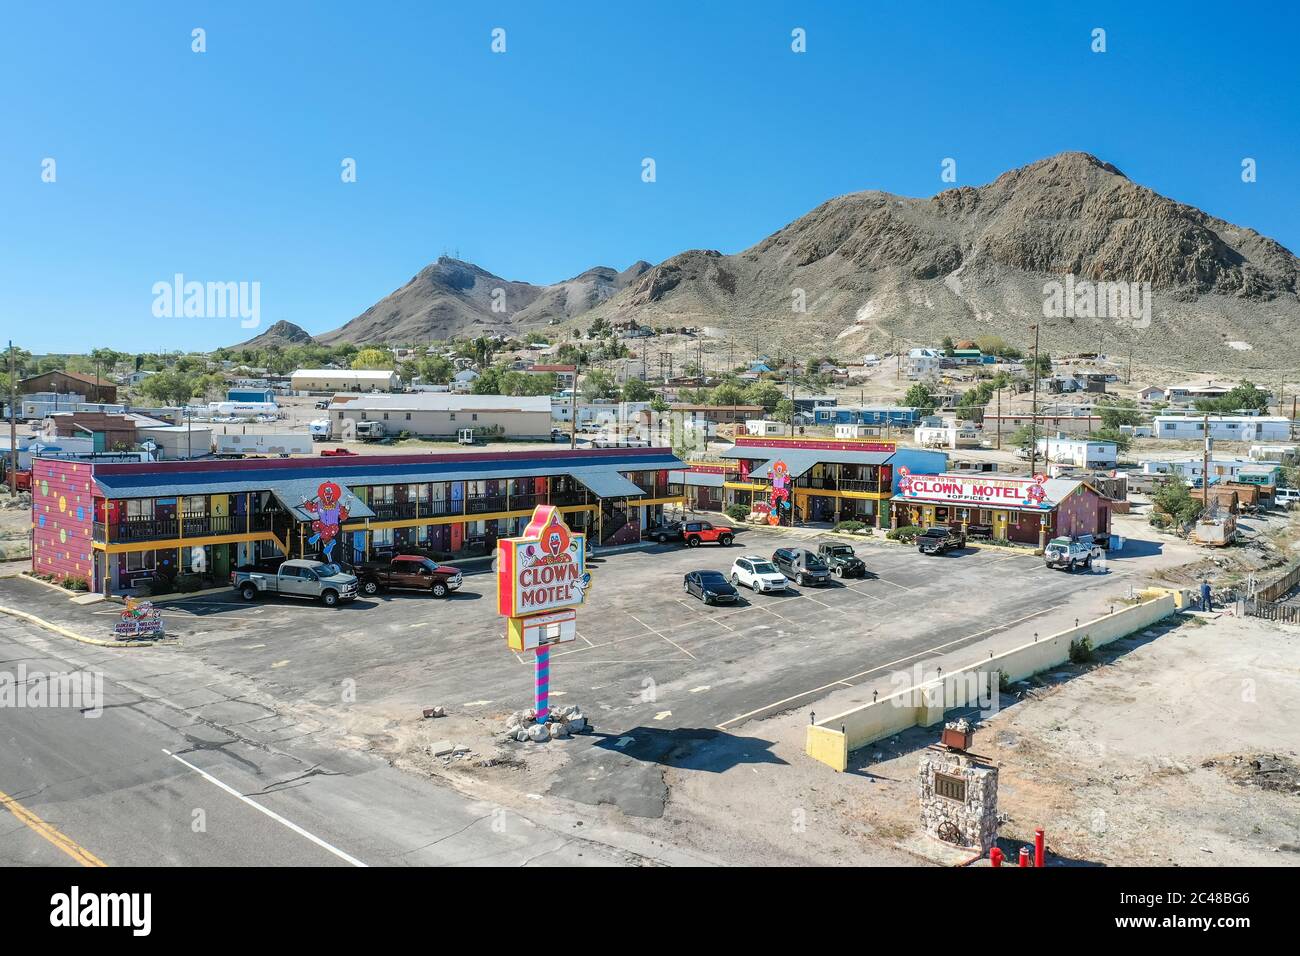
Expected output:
{"points": [[664, 532], [323, 403], [939, 539], [327, 583], [696, 532], [1066, 554], [413, 572], [758, 574], [843, 561], [711, 587], [1286, 497], [801, 566]]}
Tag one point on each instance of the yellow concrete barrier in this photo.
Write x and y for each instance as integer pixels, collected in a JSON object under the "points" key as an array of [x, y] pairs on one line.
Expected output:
{"points": [[833, 738]]}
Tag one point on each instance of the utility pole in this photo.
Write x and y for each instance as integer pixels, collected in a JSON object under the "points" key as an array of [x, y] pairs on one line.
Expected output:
{"points": [[999, 394], [1033, 410], [1205, 467], [573, 403], [13, 424]]}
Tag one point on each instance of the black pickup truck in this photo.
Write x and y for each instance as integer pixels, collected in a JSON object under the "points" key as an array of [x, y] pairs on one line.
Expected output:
{"points": [[842, 560], [939, 539]]}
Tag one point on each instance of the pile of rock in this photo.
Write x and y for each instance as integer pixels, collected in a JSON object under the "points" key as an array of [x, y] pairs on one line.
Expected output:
{"points": [[522, 725]]}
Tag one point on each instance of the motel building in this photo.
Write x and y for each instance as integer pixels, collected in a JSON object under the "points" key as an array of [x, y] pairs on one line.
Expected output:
{"points": [[114, 524], [1026, 510], [831, 480]]}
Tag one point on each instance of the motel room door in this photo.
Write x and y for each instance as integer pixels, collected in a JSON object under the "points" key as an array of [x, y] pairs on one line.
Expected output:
{"points": [[1000, 525]]}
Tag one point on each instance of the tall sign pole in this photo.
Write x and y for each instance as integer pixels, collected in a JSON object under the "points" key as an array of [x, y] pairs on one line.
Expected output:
{"points": [[13, 424], [541, 580]]}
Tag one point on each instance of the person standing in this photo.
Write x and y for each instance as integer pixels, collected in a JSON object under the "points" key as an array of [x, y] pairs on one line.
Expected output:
{"points": [[1207, 600]]}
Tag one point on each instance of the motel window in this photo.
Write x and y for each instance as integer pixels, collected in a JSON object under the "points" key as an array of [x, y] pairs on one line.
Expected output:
{"points": [[385, 416], [382, 536], [381, 495], [474, 416], [139, 508], [453, 416], [194, 505], [363, 416], [408, 416], [140, 560], [340, 416]]}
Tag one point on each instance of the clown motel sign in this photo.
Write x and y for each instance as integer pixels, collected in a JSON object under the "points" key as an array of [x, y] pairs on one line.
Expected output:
{"points": [[976, 489], [542, 570]]}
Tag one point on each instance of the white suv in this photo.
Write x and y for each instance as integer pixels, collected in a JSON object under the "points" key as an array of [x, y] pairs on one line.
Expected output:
{"points": [[1286, 497], [758, 574]]}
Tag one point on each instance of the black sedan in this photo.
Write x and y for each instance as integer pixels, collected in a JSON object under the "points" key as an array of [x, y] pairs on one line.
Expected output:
{"points": [[711, 587]]}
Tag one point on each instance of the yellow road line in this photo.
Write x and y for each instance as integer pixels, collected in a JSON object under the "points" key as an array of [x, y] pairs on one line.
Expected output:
{"points": [[60, 840]]}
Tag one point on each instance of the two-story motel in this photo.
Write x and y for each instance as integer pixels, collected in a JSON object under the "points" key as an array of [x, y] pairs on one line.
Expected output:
{"points": [[831, 480], [115, 523]]}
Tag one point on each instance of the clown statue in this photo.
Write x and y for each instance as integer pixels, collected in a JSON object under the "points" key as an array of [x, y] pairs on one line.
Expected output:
{"points": [[780, 497], [328, 512]]}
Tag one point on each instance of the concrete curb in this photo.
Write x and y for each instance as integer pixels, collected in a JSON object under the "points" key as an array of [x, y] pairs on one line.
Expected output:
{"points": [[52, 586], [58, 629]]}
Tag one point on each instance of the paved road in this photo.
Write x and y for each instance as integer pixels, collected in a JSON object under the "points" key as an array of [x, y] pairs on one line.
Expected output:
{"points": [[151, 782]]}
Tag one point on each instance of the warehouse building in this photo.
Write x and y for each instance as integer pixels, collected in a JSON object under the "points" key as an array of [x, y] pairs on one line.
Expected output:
{"points": [[114, 525], [328, 380], [444, 415]]}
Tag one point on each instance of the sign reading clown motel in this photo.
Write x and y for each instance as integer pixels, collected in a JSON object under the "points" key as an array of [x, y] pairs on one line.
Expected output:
{"points": [[975, 489], [544, 569]]}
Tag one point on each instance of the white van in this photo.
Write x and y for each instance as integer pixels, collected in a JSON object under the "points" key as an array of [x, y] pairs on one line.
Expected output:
{"points": [[1286, 497]]}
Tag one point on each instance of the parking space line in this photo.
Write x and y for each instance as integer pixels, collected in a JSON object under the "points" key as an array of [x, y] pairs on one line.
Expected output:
{"points": [[847, 681], [664, 636]]}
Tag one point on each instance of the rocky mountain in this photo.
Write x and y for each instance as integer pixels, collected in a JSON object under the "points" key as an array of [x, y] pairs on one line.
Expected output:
{"points": [[451, 298], [281, 334], [871, 268]]}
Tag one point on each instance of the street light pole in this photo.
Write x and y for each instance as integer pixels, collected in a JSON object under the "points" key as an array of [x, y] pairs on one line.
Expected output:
{"points": [[1033, 410]]}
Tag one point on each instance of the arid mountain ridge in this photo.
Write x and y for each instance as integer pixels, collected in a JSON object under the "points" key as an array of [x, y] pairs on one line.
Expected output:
{"points": [[871, 268]]}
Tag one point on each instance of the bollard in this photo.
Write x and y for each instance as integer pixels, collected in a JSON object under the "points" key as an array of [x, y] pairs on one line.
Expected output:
{"points": [[1038, 847], [1024, 857], [995, 857]]}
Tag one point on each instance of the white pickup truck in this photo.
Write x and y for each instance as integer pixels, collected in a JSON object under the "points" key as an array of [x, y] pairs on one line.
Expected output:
{"points": [[327, 583]]}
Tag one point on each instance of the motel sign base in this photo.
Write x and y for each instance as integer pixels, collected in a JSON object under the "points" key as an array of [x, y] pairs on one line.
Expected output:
{"points": [[541, 579]]}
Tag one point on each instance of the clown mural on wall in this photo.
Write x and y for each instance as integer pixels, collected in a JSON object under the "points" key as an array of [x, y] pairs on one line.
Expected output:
{"points": [[328, 510]]}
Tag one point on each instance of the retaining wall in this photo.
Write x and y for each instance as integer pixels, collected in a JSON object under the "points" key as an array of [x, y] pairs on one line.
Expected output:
{"points": [[832, 739]]}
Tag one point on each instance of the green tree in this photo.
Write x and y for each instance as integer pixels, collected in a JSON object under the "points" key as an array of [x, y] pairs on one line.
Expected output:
{"points": [[783, 411], [921, 398], [1115, 412], [168, 388], [598, 384], [1244, 396], [763, 393], [373, 358], [1174, 498], [435, 370], [635, 390], [1106, 433]]}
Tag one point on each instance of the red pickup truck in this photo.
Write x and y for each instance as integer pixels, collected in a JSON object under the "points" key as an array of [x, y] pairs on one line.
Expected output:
{"points": [[410, 571]]}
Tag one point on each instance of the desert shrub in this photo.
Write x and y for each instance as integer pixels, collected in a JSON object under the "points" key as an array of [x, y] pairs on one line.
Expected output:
{"points": [[1081, 651], [74, 583], [737, 512], [907, 533], [852, 527]]}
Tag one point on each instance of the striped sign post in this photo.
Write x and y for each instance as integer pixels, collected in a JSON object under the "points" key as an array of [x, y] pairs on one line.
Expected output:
{"points": [[543, 670]]}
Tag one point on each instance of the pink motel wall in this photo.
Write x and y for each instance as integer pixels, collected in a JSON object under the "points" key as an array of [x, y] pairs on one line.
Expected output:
{"points": [[1083, 511], [63, 517]]}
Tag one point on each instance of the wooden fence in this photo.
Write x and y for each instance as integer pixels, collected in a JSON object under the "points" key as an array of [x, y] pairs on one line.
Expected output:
{"points": [[1285, 613]]}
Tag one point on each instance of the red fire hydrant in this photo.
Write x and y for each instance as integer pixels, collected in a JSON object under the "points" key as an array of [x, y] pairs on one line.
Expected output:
{"points": [[995, 857]]}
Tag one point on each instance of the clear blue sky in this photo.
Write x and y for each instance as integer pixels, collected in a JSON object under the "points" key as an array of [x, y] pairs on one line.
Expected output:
{"points": [[225, 165]]}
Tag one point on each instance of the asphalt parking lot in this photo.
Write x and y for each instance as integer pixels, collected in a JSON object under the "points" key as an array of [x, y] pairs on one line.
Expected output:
{"points": [[646, 654]]}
